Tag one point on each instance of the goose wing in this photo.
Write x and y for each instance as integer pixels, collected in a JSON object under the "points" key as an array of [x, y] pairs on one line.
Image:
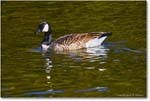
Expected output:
{"points": [[74, 38], [75, 41]]}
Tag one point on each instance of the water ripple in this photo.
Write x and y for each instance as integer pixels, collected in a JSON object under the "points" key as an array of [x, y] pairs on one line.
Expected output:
{"points": [[131, 50], [44, 92], [99, 89]]}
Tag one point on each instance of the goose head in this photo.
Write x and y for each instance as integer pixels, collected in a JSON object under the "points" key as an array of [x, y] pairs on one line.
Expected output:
{"points": [[45, 28]]}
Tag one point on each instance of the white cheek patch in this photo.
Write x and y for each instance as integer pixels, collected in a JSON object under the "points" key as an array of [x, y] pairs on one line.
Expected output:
{"points": [[46, 28]]}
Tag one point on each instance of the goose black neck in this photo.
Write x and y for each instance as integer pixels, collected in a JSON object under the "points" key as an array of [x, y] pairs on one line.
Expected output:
{"points": [[47, 38]]}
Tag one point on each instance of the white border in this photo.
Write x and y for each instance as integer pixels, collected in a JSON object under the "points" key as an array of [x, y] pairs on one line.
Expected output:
{"points": [[148, 46], [74, 0], [96, 99]]}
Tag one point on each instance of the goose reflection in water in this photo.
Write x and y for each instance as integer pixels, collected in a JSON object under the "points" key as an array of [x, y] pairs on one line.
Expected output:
{"points": [[90, 54], [48, 68], [98, 53], [94, 54]]}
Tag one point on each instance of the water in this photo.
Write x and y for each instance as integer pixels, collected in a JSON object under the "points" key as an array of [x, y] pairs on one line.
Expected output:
{"points": [[115, 69]]}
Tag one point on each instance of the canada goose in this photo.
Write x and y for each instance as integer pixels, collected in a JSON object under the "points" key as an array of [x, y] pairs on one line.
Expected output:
{"points": [[70, 41]]}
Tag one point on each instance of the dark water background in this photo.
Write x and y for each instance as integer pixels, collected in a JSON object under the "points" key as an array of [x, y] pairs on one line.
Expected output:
{"points": [[115, 69]]}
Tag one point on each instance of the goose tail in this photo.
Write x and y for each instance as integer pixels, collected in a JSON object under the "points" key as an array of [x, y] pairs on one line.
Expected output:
{"points": [[99, 40]]}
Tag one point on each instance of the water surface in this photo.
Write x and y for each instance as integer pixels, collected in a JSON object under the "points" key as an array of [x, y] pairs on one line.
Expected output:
{"points": [[115, 69]]}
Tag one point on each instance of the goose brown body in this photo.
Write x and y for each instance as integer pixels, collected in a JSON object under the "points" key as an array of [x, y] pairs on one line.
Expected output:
{"points": [[74, 41]]}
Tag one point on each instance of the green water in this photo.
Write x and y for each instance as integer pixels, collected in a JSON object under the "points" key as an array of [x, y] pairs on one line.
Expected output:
{"points": [[116, 69]]}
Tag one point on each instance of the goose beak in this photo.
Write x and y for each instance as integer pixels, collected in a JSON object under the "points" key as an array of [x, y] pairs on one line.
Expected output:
{"points": [[37, 31]]}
